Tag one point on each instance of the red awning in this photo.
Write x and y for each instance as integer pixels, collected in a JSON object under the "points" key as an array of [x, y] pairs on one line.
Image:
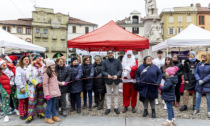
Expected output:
{"points": [[109, 36]]}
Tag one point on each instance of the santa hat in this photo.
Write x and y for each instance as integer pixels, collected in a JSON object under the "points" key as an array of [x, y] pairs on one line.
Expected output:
{"points": [[172, 70], [1, 61], [11, 58], [127, 52]]}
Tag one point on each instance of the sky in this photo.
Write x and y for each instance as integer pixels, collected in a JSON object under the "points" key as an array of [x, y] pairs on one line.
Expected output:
{"points": [[95, 11]]}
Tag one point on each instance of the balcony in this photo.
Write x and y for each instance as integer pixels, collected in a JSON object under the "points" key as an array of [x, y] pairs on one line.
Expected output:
{"points": [[45, 36], [54, 37], [37, 35], [58, 49]]}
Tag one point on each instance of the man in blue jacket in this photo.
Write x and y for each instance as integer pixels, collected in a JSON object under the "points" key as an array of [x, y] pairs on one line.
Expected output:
{"points": [[112, 69]]}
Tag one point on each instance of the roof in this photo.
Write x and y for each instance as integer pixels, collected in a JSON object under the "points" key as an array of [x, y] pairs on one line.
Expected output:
{"points": [[109, 36], [73, 20], [22, 22], [121, 22], [203, 9]]}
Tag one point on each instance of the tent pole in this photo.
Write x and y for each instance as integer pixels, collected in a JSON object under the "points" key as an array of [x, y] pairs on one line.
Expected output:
{"points": [[3, 50], [167, 51]]}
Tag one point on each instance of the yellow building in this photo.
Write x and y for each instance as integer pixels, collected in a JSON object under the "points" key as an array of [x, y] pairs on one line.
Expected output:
{"points": [[203, 17], [50, 31], [176, 19]]}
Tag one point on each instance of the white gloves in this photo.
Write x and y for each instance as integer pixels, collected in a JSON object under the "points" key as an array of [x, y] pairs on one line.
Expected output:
{"points": [[128, 69]]}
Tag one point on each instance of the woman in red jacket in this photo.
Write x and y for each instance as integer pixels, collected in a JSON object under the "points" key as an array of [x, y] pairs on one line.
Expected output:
{"points": [[5, 90]]}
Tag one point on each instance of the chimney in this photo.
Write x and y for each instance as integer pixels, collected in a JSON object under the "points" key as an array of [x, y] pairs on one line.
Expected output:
{"points": [[198, 4], [191, 5]]}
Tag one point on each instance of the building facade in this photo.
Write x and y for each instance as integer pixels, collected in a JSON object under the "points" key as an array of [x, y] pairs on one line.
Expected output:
{"points": [[133, 23], [174, 20], [21, 28], [50, 31], [203, 17]]}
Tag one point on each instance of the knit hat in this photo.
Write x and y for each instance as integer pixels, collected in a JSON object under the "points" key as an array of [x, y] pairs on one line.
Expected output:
{"points": [[193, 52], [35, 57], [50, 62], [172, 70], [1, 61], [11, 58], [74, 58]]}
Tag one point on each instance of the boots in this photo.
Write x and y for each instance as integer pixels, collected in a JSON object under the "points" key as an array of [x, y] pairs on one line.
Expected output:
{"points": [[107, 111], [125, 110], [49, 121], [117, 111], [56, 119], [145, 113], [153, 113], [133, 109], [167, 123]]}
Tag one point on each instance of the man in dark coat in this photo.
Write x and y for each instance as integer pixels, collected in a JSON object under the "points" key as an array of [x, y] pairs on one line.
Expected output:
{"points": [[63, 76], [112, 69]]}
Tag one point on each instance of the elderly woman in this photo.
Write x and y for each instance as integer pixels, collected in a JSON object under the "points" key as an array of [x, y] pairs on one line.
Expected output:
{"points": [[147, 76], [99, 84], [202, 75]]}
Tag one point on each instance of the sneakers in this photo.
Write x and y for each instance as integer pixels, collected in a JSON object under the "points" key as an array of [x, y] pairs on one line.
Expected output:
{"points": [[125, 110], [11, 113], [145, 113], [117, 111], [156, 101], [167, 123], [183, 108], [29, 119], [41, 116], [23, 117], [56, 119], [107, 111], [49, 121], [196, 112], [17, 112], [177, 104], [6, 119], [64, 114], [165, 107]]}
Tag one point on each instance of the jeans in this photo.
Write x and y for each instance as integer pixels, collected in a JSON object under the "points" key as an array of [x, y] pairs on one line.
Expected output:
{"points": [[170, 110], [89, 96], [75, 99], [51, 108], [198, 101]]}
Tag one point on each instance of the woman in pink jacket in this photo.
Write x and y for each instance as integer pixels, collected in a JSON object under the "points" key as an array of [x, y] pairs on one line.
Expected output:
{"points": [[51, 91]]}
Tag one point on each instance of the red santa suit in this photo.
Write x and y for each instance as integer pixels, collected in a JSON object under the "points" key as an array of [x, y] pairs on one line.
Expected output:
{"points": [[130, 66]]}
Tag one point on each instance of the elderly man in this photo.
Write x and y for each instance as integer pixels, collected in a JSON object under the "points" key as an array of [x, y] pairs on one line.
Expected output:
{"points": [[129, 65], [112, 69]]}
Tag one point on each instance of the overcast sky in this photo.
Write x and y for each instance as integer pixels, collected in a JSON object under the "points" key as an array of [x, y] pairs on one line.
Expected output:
{"points": [[96, 11]]}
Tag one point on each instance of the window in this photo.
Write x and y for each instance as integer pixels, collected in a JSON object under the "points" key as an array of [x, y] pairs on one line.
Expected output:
{"points": [[135, 30], [6, 28], [189, 19], [171, 19], [28, 31], [171, 31], [74, 29], [45, 31], [86, 30], [179, 30], [135, 19], [37, 31], [201, 20], [45, 44], [20, 30], [179, 19]]}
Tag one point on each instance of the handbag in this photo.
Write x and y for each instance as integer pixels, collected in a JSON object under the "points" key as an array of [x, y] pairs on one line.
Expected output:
{"points": [[21, 96]]}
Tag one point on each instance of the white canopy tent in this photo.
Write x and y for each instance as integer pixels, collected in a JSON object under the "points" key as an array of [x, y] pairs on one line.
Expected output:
{"points": [[192, 36], [8, 40]]}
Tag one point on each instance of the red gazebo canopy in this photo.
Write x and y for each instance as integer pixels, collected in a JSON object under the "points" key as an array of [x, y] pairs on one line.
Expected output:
{"points": [[109, 36]]}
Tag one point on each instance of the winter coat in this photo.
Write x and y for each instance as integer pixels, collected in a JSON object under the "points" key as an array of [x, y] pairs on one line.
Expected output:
{"points": [[11, 75], [168, 90], [179, 73], [152, 75], [112, 67], [189, 74], [34, 73], [99, 84], [76, 73], [87, 71], [51, 86], [63, 75], [5, 82], [202, 72], [20, 77]]}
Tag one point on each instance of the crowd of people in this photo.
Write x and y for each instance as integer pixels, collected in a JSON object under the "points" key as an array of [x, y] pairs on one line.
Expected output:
{"points": [[30, 82]]}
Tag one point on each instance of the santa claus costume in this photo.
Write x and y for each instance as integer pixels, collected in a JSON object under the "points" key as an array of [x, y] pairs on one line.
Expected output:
{"points": [[130, 65]]}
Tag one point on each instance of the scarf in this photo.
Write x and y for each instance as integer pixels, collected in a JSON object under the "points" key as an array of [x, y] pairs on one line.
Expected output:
{"points": [[192, 60], [37, 65]]}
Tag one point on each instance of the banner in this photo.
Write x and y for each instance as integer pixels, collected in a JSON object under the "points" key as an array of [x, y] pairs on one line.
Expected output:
{"points": [[182, 54]]}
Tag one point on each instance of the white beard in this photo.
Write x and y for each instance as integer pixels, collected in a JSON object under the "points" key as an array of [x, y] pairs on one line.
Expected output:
{"points": [[128, 62]]}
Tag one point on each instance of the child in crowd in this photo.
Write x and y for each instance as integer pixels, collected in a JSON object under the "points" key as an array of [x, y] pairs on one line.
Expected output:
{"points": [[51, 92], [168, 94]]}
